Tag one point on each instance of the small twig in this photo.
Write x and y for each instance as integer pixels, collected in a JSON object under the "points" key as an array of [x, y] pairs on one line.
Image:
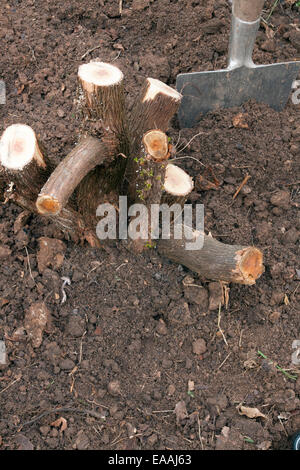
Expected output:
{"points": [[120, 7], [117, 56], [163, 411], [199, 433], [60, 410], [123, 264], [116, 439], [187, 156], [97, 404], [247, 177], [80, 348], [221, 365], [283, 426], [12, 383], [97, 265], [199, 133], [219, 322], [272, 9], [90, 50], [28, 261], [292, 184], [240, 340]]}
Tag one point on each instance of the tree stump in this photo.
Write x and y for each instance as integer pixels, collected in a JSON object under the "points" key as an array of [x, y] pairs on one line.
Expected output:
{"points": [[119, 154]]}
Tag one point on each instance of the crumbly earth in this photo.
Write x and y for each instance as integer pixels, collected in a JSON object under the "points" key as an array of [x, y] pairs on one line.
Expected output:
{"points": [[134, 358]]}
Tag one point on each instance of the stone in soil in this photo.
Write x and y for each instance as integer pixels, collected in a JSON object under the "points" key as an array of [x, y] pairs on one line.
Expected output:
{"points": [[51, 253], [197, 295], [216, 296], [199, 346], [5, 251], [114, 388], [281, 199], [36, 319], [75, 326]]}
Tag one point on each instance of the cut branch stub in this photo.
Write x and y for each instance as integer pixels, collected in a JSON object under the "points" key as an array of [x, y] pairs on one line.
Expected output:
{"points": [[28, 169], [154, 108], [148, 182], [22, 160], [103, 107], [69, 221], [215, 260], [177, 186], [156, 145], [103, 97], [68, 174]]}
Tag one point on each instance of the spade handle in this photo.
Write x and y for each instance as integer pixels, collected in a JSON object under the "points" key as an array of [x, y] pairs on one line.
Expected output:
{"points": [[244, 28], [248, 10]]}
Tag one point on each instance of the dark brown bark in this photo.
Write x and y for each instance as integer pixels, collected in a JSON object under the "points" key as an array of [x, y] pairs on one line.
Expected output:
{"points": [[156, 105], [148, 181], [93, 172], [69, 221], [26, 171], [216, 261], [154, 108], [104, 115]]}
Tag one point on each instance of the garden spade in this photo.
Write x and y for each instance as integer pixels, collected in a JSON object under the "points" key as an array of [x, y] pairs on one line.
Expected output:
{"points": [[242, 80]]}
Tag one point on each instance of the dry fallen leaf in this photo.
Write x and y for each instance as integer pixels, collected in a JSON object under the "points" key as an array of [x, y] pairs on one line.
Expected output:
{"points": [[60, 422], [180, 411], [250, 412]]}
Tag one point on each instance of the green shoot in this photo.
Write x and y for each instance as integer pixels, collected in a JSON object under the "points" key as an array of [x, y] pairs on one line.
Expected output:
{"points": [[292, 377]]}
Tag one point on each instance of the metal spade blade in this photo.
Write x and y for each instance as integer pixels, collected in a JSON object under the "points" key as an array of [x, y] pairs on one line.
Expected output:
{"points": [[242, 80]]}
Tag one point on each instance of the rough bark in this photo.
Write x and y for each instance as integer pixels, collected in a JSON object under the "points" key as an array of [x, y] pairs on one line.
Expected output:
{"points": [[154, 108], [102, 102], [93, 172], [215, 260], [22, 160], [148, 183], [69, 221], [26, 170], [55, 194], [102, 99]]}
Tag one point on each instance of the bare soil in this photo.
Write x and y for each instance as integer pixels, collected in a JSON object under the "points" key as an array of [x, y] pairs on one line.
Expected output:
{"points": [[133, 341]]}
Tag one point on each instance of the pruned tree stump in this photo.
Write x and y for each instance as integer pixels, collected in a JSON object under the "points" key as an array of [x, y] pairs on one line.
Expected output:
{"points": [[118, 154]]}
